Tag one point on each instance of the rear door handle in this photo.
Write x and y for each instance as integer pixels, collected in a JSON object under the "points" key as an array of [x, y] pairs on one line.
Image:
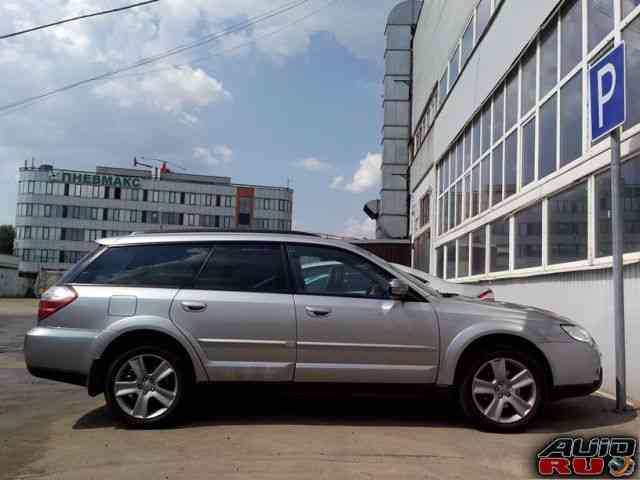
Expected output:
{"points": [[193, 306], [318, 311]]}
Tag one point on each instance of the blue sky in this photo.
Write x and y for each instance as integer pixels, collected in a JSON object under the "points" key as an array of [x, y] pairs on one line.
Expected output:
{"points": [[303, 104]]}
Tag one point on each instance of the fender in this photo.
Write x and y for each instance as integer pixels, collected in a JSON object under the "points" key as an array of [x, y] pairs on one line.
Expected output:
{"points": [[449, 358], [146, 322]]}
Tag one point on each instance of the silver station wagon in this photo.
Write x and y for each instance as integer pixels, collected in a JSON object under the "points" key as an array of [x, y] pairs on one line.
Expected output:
{"points": [[147, 317]]}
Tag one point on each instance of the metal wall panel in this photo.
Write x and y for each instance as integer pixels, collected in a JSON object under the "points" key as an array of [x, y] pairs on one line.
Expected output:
{"points": [[587, 298]]}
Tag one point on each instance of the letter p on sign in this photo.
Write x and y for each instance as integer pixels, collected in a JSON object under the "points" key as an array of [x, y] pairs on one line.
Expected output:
{"points": [[607, 87]]}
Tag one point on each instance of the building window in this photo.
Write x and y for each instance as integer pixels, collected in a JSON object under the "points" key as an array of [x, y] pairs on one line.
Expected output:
{"points": [[425, 216], [628, 6], [463, 256], [478, 252], [528, 237], [486, 128], [459, 158], [511, 164], [496, 174], [571, 46], [483, 14], [529, 152], [548, 137], [440, 262], [475, 191], [499, 253], [498, 115], [529, 78], [459, 197], [631, 209], [451, 260], [443, 87], [476, 138], [486, 183], [549, 58], [568, 226], [465, 197], [600, 14], [467, 43], [631, 36], [422, 247], [454, 66], [467, 149], [452, 207], [571, 120]]}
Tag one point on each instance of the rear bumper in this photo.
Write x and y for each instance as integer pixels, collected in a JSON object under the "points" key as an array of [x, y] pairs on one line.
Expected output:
{"points": [[60, 354]]}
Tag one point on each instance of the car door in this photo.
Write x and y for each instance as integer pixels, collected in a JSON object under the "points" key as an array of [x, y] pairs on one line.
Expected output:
{"points": [[349, 327], [240, 312]]}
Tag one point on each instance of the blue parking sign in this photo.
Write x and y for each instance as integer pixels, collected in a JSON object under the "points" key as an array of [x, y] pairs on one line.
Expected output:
{"points": [[607, 89]]}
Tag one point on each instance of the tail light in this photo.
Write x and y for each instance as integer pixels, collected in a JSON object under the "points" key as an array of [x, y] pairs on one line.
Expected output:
{"points": [[54, 299], [487, 295]]}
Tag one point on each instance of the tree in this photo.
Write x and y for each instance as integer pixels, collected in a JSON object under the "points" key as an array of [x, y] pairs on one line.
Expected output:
{"points": [[7, 236]]}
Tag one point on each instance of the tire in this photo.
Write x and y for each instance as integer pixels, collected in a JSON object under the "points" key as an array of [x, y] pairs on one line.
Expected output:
{"points": [[149, 386], [502, 403]]}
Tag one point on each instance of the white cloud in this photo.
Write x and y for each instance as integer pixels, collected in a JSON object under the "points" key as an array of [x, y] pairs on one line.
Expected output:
{"points": [[176, 91], [368, 176], [220, 155], [336, 183], [359, 229], [312, 165]]}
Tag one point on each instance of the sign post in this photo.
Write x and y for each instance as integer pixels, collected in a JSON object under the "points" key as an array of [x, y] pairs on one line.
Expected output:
{"points": [[607, 84]]}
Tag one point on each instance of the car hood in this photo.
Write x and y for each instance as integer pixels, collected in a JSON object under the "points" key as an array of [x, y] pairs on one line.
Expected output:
{"points": [[458, 312]]}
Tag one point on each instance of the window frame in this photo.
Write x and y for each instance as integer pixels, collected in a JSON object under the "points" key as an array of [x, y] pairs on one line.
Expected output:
{"points": [[91, 257], [296, 280]]}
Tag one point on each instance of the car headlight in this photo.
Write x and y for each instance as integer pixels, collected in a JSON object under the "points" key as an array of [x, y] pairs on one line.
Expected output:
{"points": [[578, 333]]}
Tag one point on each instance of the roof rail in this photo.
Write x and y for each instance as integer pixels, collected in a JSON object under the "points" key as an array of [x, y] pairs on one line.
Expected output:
{"points": [[217, 230]]}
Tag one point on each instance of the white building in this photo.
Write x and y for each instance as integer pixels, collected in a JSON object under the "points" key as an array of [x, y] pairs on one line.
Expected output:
{"points": [[60, 213], [10, 284], [506, 186]]}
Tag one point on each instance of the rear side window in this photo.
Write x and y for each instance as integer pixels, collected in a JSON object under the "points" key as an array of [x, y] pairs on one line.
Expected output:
{"points": [[244, 268], [145, 265]]}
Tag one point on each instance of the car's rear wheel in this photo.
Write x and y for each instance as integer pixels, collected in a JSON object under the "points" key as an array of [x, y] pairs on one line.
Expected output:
{"points": [[148, 386], [502, 389]]}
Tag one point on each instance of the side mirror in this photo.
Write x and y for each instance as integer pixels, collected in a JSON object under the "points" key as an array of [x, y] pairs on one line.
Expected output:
{"points": [[398, 289]]}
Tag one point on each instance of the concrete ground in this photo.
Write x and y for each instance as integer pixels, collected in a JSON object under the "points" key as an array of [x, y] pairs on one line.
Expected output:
{"points": [[50, 430]]}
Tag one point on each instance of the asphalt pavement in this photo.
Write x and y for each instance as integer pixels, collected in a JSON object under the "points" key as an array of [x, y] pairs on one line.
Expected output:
{"points": [[50, 430]]}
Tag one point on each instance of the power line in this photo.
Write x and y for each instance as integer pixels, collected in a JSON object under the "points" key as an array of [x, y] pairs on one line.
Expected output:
{"points": [[220, 53], [80, 17], [10, 107]]}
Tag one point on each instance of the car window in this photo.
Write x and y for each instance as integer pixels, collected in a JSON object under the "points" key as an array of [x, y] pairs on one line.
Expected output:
{"points": [[331, 271], [145, 265], [244, 268]]}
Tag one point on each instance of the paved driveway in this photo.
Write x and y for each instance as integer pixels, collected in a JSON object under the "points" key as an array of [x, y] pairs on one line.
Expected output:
{"points": [[54, 431]]}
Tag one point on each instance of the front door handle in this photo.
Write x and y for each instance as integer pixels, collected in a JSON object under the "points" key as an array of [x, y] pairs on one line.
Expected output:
{"points": [[318, 311], [193, 306]]}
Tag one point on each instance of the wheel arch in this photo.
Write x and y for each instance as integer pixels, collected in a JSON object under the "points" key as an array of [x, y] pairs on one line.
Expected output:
{"points": [[503, 339], [139, 336]]}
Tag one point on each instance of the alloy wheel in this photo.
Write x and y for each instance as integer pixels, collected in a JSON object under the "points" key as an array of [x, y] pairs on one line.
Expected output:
{"points": [[146, 386], [504, 390]]}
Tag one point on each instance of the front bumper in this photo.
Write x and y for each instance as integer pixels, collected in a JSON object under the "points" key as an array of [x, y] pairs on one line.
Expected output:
{"points": [[576, 368], [61, 354]]}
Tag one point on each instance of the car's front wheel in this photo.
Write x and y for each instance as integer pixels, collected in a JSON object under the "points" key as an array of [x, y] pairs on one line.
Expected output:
{"points": [[148, 386], [502, 389]]}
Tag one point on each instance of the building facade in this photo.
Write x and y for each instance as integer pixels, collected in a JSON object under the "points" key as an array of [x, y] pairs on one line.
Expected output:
{"points": [[60, 213], [10, 284], [506, 186]]}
